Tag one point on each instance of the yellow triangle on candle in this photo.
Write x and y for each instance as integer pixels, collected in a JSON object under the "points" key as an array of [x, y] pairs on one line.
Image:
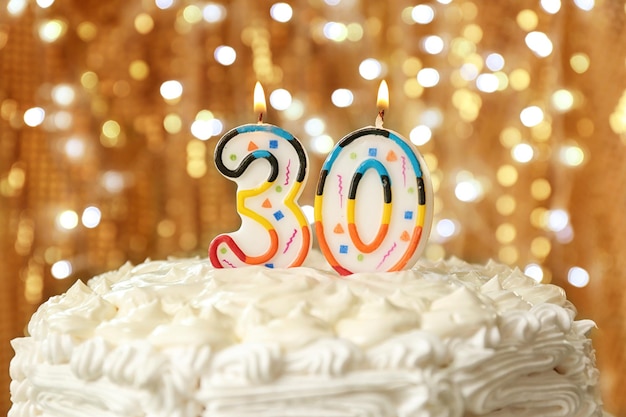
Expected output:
{"points": [[267, 203], [338, 229], [252, 146], [405, 236], [391, 156]]}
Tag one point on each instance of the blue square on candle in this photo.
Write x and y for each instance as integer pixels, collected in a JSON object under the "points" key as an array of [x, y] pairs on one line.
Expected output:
{"points": [[343, 248], [273, 144], [278, 215], [408, 215], [269, 265], [372, 151]]}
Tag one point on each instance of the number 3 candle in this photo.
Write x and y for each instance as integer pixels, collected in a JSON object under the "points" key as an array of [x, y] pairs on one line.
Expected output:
{"points": [[270, 168], [373, 205]]}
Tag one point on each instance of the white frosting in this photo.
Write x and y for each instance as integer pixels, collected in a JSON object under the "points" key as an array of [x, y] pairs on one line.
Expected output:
{"points": [[178, 338]]}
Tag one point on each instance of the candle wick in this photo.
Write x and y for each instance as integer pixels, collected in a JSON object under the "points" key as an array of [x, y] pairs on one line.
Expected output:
{"points": [[380, 118], [261, 117]]}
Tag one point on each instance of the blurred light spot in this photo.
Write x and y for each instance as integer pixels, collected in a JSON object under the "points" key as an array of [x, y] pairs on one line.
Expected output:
{"points": [[578, 277], [527, 20], [171, 90], [166, 228], [506, 175], [468, 71], [411, 66], [113, 181], [192, 14], [522, 152], [571, 155], [539, 43], [172, 123], [446, 228], [585, 5], [280, 99], [164, 4], [204, 129], [579, 62], [16, 7], [295, 110], [508, 254], [370, 69], [225, 55], [420, 135], [213, 13], [503, 80], [138, 69], [412, 88], [487, 83], [342, 97], [74, 148], [473, 33], [495, 62], [534, 271], [63, 94], [540, 247], [281, 12], [86, 31], [111, 129], [61, 269], [435, 252], [562, 100], [422, 14], [44, 4], [428, 77], [540, 189], [551, 6], [468, 190], [335, 31], [519, 79], [16, 178], [531, 116], [89, 79], [557, 219], [322, 144], [505, 233], [34, 116], [67, 219], [52, 30], [355, 32], [433, 44], [505, 204], [144, 23], [432, 118], [510, 136], [314, 126], [91, 217], [566, 235]]}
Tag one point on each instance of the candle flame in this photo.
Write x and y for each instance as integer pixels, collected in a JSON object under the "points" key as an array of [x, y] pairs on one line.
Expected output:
{"points": [[383, 96], [259, 100]]}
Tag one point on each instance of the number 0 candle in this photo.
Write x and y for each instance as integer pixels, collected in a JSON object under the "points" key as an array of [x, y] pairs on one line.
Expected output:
{"points": [[373, 204], [270, 168]]}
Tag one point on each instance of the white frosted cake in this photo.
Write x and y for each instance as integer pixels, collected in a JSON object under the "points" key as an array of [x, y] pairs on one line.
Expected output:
{"points": [[179, 338]]}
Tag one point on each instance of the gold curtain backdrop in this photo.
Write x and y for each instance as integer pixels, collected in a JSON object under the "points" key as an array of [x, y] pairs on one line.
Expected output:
{"points": [[110, 111]]}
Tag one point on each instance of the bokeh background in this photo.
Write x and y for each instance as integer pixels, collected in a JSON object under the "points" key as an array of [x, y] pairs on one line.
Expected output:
{"points": [[110, 111]]}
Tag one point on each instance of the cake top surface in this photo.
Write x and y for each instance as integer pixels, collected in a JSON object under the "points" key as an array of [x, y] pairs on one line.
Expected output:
{"points": [[187, 301]]}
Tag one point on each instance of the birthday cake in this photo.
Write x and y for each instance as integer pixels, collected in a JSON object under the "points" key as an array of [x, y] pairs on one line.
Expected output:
{"points": [[181, 338]]}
